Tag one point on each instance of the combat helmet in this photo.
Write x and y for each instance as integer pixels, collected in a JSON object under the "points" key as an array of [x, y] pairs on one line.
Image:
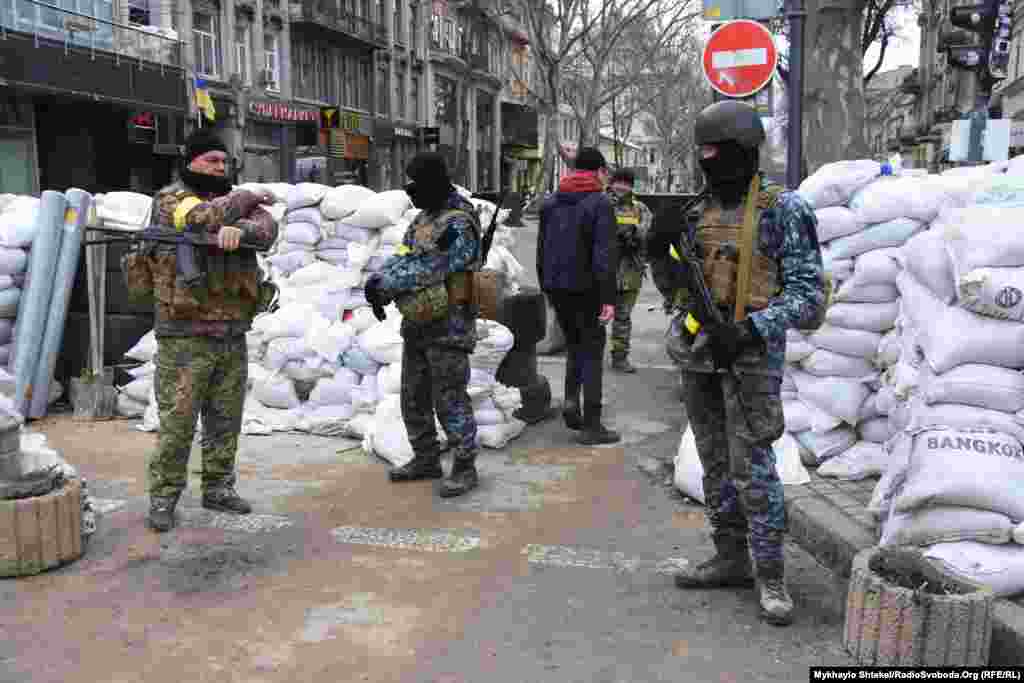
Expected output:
{"points": [[729, 120]]}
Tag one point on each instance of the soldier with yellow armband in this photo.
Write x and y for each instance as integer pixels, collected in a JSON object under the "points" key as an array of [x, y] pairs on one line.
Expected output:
{"points": [[632, 221]]}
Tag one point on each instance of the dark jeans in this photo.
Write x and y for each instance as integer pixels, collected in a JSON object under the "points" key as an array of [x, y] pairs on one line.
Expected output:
{"points": [[585, 337]]}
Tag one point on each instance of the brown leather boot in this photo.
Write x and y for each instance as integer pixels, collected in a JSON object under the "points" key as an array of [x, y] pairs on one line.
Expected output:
{"points": [[730, 567]]}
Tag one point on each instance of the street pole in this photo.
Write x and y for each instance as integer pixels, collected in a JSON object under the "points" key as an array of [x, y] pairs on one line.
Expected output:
{"points": [[979, 119], [795, 90]]}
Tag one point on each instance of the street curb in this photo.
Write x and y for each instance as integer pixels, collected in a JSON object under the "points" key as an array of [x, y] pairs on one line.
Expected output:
{"points": [[828, 521]]}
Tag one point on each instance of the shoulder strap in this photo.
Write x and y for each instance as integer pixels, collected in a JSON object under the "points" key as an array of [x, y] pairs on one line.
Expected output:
{"points": [[751, 212], [474, 223]]}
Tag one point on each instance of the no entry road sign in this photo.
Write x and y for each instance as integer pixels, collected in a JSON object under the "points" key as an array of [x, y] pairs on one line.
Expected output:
{"points": [[740, 58]]}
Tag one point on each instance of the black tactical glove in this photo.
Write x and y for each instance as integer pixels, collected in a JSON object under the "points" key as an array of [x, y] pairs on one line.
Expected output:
{"points": [[729, 340], [375, 297]]}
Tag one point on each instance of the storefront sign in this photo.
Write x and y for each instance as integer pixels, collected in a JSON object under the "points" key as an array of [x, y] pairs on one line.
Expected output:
{"points": [[276, 111], [345, 145], [401, 132]]}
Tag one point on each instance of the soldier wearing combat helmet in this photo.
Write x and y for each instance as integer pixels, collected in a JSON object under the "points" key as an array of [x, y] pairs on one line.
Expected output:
{"points": [[762, 263]]}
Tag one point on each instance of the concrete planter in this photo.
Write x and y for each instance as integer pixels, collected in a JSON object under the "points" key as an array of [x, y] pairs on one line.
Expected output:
{"points": [[41, 533], [935, 623]]}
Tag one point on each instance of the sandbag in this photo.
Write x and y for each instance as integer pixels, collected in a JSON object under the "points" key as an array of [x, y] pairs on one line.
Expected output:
{"points": [[382, 342], [290, 322], [389, 378], [302, 233], [380, 210], [309, 215], [394, 234], [874, 430], [993, 292], [837, 396], [797, 350], [952, 336], [849, 342], [829, 444], [144, 349], [13, 261], [1000, 567], [344, 200], [835, 183], [891, 198], [328, 420], [981, 386], [821, 422], [839, 269], [360, 426], [498, 435], [876, 267], [292, 261], [860, 461], [365, 396], [982, 237], [835, 222], [335, 390], [969, 467], [129, 407], [853, 292], [494, 341], [351, 233], [358, 360], [336, 257], [305, 194], [289, 247], [1018, 533], [276, 392], [797, 415], [926, 258], [18, 225], [997, 189], [824, 363], [889, 348], [138, 389], [965, 417], [333, 243], [891, 233], [870, 317], [945, 524], [9, 300]]}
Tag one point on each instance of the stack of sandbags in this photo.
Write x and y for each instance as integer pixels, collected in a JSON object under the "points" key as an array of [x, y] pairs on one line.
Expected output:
{"points": [[299, 227], [18, 226]]}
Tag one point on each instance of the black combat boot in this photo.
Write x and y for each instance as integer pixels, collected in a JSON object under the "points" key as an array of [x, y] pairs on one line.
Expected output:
{"points": [[620, 363], [775, 601], [161, 514], [595, 433], [572, 415], [225, 499], [463, 478], [419, 468], [730, 567]]}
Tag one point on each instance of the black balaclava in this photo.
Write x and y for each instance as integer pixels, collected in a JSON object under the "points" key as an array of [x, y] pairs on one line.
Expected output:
{"points": [[430, 186], [730, 172], [198, 144]]}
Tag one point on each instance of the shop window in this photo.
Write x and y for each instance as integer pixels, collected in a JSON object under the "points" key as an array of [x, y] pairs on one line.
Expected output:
{"points": [[242, 52], [205, 29], [272, 61]]}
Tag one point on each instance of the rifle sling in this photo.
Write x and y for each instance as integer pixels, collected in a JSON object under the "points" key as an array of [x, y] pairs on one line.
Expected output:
{"points": [[746, 260]]}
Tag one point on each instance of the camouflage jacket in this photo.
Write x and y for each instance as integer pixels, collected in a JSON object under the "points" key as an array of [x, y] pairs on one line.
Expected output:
{"points": [[232, 293], [633, 221], [420, 263], [787, 232]]}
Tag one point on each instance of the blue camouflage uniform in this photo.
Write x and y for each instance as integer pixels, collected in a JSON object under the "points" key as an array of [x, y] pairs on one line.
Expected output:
{"points": [[436, 249], [734, 433]]}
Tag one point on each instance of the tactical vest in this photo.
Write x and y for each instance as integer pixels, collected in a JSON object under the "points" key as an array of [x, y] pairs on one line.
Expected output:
{"points": [[432, 302], [721, 239]]}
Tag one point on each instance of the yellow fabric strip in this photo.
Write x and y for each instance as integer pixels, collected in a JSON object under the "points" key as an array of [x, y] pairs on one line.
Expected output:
{"points": [[628, 220], [402, 250], [181, 212]]}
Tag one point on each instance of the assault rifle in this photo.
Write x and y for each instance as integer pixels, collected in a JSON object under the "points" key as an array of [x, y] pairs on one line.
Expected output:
{"points": [[488, 237]]}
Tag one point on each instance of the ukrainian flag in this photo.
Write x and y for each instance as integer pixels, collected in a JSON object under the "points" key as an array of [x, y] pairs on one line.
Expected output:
{"points": [[203, 101]]}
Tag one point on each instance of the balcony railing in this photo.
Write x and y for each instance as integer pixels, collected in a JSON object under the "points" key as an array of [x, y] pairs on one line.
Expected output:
{"points": [[328, 15], [75, 29]]}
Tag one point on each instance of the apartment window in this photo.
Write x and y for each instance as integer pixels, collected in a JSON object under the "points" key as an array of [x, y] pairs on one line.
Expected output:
{"points": [[205, 28], [399, 89], [365, 81], [138, 13], [414, 26], [382, 90], [398, 23], [272, 61], [414, 98], [242, 51]]}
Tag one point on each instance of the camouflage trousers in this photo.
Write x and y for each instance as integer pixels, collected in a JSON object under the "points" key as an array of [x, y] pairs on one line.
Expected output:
{"points": [[435, 378], [734, 424], [622, 325], [197, 376]]}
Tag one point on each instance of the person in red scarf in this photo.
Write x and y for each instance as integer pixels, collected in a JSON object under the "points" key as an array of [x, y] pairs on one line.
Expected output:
{"points": [[577, 264]]}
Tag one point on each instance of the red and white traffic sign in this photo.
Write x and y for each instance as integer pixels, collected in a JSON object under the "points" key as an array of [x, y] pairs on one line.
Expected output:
{"points": [[740, 58]]}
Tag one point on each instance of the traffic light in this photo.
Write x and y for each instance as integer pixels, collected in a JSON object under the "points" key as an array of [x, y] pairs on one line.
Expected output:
{"points": [[993, 22]]}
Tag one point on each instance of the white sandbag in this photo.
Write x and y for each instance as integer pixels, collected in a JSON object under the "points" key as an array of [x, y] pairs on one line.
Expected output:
{"points": [[481, 377], [13, 261], [363, 319], [1000, 567], [289, 247], [335, 390], [359, 361], [360, 254], [302, 233], [328, 339], [333, 243], [385, 434], [892, 233], [138, 389], [889, 348], [336, 257], [144, 349], [997, 189], [280, 350], [945, 524], [508, 400], [849, 342], [315, 274], [309, 368], [797, 415], [827, 445], [351, 233], [926, 258], [256, 373], [389, 379], [305, 194], [835, 183], [1018, 533], [921, 199], [982, 386], [9, 300], [360, 426], [860, 461], [365, 396], [840, 269], [344, 200], [787, 381], [835, 222], [874, 430], [394, 234], [870, 317], [382, 342], [853, 292], [144, 370], [129, 407], [970, 467], [310, 214], [965, 417], [498, 435], [292, 261], [494, 341], [276, 392], [797, 350], [289, 322], [837, 396], [380, 210], [329, 420], [952, 336], [486, 417], [824, 363], [821, 422], [876, 267], [982, 237], [18, 226], [993, 292]]}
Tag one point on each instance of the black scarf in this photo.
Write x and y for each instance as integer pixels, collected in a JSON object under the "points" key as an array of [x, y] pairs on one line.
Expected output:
{"points": [[205, 184], [729, 172]]}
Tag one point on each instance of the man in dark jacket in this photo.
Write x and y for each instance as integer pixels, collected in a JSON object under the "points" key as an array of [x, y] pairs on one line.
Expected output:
{"points": [[577, 263]]}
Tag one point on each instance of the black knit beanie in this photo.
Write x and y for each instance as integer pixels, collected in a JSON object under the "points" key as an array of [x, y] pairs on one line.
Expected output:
{"points": [[590, 159], [200, 142]]}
